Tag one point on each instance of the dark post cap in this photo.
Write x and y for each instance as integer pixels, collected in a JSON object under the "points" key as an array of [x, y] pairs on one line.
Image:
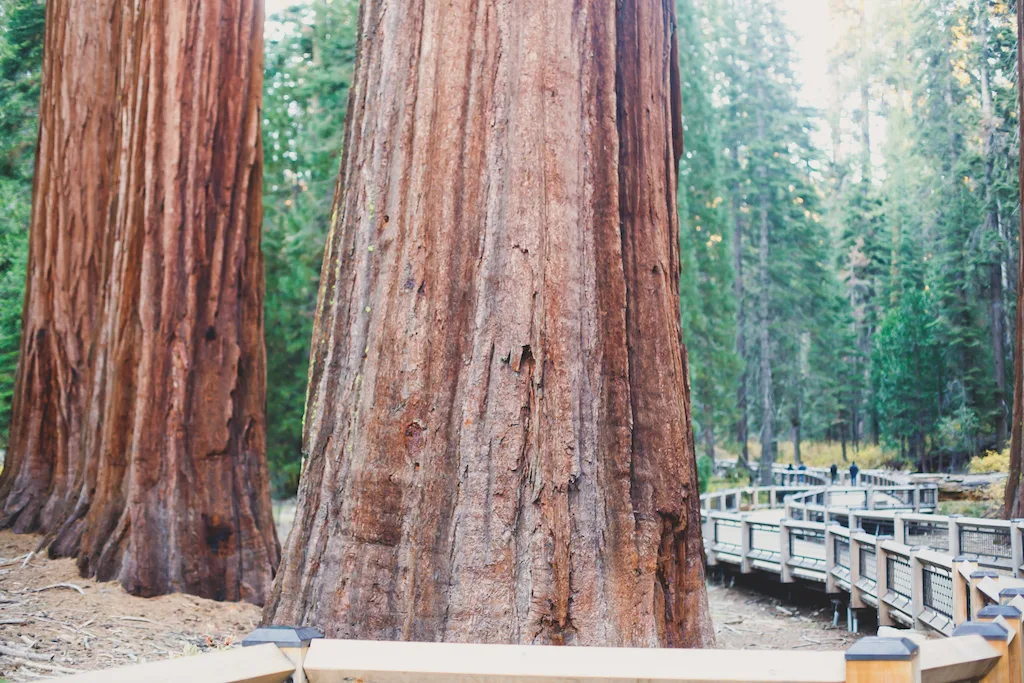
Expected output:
{"points": [[879, 539], [877, 649], [282, 636], [1016, 520], [989, 630], [859, 530], [993, 611], [966, 558], [984, 574], [1011, 592]]}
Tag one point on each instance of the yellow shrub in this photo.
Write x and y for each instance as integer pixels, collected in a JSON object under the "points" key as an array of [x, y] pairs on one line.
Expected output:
{"points": [[990, 462], [824, 453]]}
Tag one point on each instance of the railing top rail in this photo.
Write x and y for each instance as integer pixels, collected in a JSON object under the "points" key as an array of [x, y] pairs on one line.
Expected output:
{"points": [[339, 660]]}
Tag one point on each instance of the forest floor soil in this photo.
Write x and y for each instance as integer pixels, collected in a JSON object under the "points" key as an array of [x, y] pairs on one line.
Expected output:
{"points": [[53, 622]]}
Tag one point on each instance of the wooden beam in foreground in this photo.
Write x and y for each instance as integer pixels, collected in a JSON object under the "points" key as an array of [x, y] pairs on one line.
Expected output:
{"points": [[259, 664], [966, 658], [337, 661]]}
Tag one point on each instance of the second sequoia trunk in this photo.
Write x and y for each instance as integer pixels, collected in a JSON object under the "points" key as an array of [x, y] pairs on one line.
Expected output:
{"points": [[176, 496], [67, 246], [497, 436]]}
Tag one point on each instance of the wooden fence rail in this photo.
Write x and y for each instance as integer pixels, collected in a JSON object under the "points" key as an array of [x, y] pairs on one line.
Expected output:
{"points": [[988, 650]]}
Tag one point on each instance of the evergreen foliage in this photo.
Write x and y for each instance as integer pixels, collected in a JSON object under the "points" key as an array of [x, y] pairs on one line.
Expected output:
{"points": [[310, 55], [21, 56]]}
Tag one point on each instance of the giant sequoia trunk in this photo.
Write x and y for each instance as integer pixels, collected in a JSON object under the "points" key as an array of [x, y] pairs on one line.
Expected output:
{"points": [[77, 117], [497, 438], [176, 495], [1014, 505]]}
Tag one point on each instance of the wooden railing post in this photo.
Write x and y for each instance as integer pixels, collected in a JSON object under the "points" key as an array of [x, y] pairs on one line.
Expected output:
{"points": [[963, 567], [869, 498], [830, 556], [856, 571], [1017, 546], [1010, 616], [882, 581], [1007, 595], [708, 536], [954, 535], [785, 573], [745, 566], [883, 660], [899, 529], [292, 641], [977, 598], [998, 637], [917, 589], [917, 498]]}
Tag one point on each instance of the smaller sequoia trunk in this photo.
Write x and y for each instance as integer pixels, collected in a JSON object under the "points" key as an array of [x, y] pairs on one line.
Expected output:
{"points": [[497, 437], [77, 133], [1014, 505], [177, 497]]}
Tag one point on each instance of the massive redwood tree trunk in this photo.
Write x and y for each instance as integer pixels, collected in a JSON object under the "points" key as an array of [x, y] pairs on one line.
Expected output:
{"points": [[77, 133], [498, 443], [1015, 482], [176, 497]]}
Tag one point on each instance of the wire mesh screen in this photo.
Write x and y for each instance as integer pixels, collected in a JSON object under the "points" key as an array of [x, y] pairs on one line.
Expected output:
{"points": [[898, 577], [764, 537], [893, 498], [841, 547], [978, 540], [728, 532], [930, 534], [938, 590], [868, 562], [808, 543], [877, 527]]}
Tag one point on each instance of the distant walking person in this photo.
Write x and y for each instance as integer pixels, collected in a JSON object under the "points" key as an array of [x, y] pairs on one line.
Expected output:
{"points": [[834, 473], [853, 474]]}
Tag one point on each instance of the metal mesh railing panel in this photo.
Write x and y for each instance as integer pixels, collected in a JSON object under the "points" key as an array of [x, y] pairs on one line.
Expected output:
{"points": [[978, 540], [938, 590], [930, 534], [898, 577], [808, 543], [764, 537], [728, 532], [868, 562], [877, 527], [841, 547]]}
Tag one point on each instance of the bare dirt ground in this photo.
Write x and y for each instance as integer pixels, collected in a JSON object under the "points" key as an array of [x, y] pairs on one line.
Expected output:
{"points": [[53, 622], [749, 618]]}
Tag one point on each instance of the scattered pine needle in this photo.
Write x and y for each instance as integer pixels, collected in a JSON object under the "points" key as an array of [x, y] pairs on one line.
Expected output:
{"points": [[57, 585], [148, 621]]}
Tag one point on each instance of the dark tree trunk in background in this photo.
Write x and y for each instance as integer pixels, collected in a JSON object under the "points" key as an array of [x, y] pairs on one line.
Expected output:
{"points": [[997, 313], [177, 497], [497, 439], [742, 430], [1014, 503], [764, 321], [77, 134]]}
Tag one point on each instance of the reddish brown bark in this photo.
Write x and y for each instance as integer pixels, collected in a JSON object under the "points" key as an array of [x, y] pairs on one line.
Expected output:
{"points": [[498, 443], [1014, 498], [77, 132], [176, 496]]}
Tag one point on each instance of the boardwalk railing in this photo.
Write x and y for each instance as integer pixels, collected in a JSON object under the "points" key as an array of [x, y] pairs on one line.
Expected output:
{"points": [[988, 650], [878, 543]]}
